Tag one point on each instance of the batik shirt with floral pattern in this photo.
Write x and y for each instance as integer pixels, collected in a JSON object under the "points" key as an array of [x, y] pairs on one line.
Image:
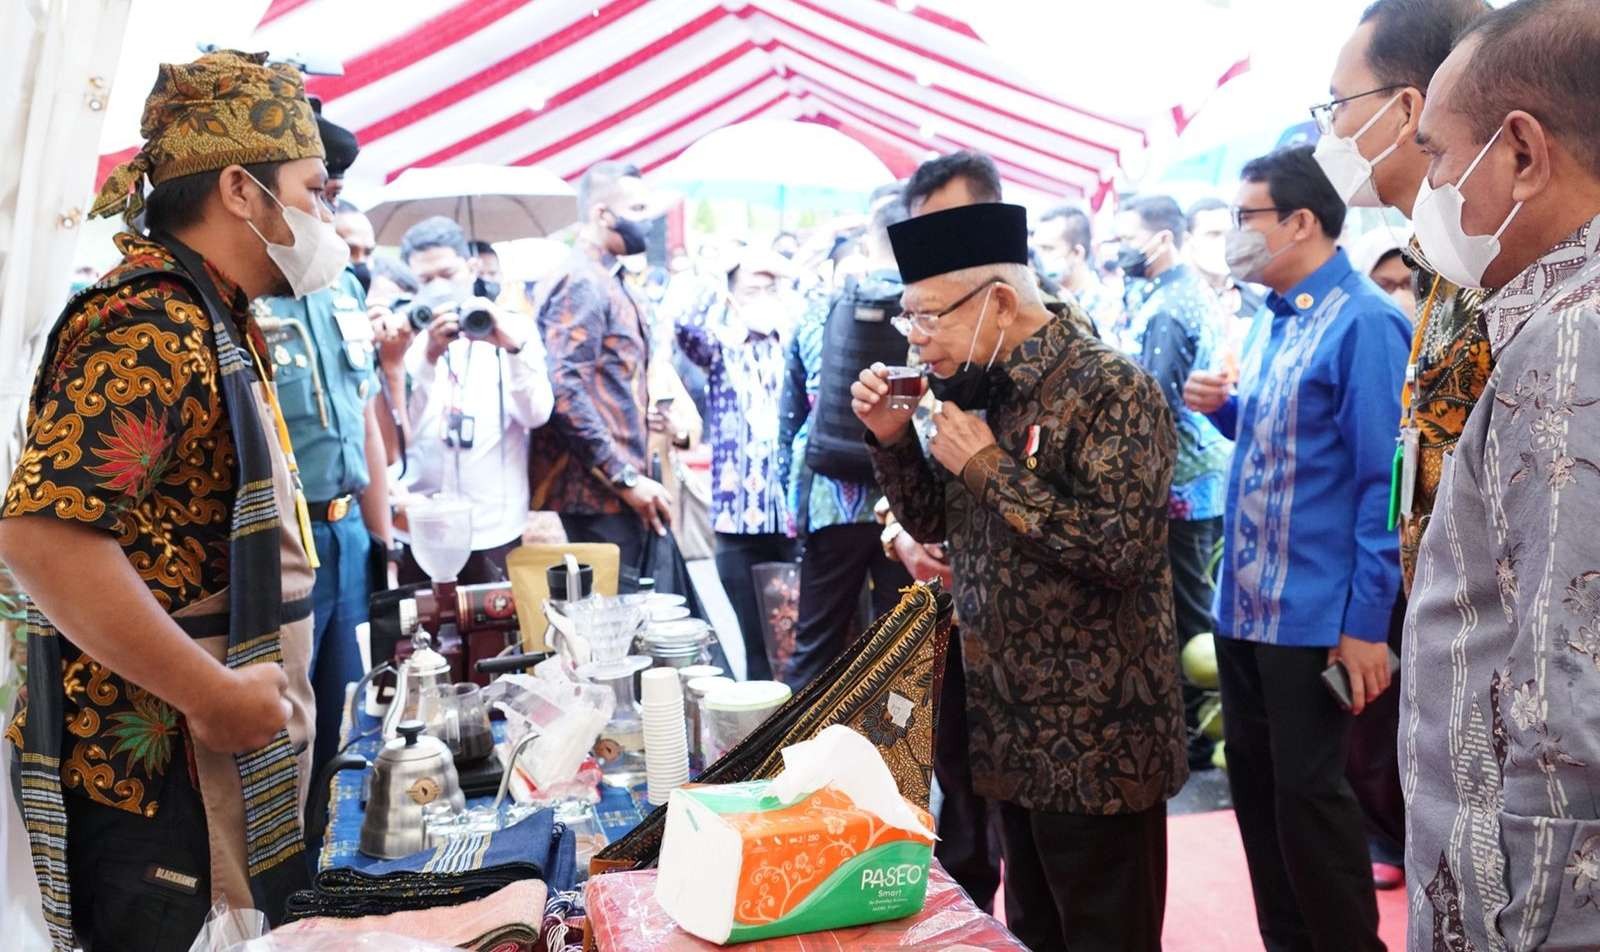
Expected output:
{"points": [[1500, 730], [1058, 541], [128, 434], [744, 379], [1453, 367]]}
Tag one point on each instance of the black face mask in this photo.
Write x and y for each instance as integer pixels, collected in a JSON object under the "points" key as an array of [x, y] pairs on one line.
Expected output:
{"points": [[486, 289], [1133, 262], [363, 274], [634, 239], [968, 388]]}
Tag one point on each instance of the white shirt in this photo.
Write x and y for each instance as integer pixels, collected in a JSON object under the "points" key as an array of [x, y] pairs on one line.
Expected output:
{"points": [[493, 473]]}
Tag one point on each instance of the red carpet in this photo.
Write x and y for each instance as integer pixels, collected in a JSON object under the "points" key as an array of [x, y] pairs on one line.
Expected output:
{"points": [[1209, 908]]}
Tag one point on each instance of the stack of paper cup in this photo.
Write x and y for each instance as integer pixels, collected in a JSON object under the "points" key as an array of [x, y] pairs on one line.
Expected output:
{"points": [[666, 746]]}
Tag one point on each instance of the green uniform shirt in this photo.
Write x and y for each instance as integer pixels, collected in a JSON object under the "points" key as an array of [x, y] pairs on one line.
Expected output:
{"points": [[321, 350]]}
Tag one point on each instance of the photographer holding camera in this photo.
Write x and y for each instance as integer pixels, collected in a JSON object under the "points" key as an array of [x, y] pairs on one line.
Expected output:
{"points": [[478, 386]]}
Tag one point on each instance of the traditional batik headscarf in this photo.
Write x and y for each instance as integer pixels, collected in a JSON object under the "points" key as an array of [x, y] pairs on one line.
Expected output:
{"points": [[225, 108]]}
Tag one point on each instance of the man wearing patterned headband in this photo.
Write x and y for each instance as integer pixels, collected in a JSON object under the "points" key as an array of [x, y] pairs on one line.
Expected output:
{"points": [[156, 519]]}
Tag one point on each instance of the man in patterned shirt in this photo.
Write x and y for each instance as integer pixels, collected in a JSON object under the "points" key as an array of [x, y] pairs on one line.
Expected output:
{"points": [[589, 464], [1309, 573], [153, 513], [1500, 750], [1179, 323], [736, 334], [1379, 85], [1051, 463]]}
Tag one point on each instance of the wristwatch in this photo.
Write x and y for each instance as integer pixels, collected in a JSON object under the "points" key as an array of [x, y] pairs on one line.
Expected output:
{"points": [[626, 479]]}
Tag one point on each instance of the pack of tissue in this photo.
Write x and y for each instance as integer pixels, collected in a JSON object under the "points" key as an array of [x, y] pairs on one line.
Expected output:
{"points": [[827, 844]]}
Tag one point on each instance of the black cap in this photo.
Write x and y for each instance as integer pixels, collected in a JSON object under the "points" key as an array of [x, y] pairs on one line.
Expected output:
{"points": [[967, 236], [340, 145]]}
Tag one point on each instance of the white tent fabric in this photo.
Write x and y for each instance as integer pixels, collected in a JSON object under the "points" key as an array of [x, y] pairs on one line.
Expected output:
{"points": [[55, 80]]}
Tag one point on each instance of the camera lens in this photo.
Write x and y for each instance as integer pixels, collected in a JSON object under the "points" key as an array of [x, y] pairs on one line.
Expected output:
{"points": [[420, 316], [477, 324]]}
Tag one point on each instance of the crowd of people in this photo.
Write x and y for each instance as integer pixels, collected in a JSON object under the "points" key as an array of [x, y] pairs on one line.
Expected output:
{"points": [[1346, 456]]}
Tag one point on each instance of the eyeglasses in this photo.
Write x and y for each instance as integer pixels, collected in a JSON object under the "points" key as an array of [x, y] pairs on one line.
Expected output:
{"points": [[1323, 113], [1240, 214], [926, 322]]}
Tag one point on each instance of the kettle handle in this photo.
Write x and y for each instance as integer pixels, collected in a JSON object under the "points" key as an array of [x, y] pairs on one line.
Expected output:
{"points": [[360, 697], [316, 822]]}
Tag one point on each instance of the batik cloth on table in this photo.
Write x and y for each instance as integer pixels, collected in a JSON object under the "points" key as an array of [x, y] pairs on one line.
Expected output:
{"points": [[461, 869], [623, 916], [507, 920], [885, 686]]}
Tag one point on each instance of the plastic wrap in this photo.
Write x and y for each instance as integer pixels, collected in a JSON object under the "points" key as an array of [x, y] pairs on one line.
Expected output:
{"points": [[624, 917], [567, 717]]}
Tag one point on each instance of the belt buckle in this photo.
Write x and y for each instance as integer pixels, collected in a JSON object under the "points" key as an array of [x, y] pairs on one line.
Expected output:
{"points": [[338, 509]]}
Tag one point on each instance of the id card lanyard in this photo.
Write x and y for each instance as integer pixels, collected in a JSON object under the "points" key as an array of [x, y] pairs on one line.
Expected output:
{"points": [[1403, 479]]}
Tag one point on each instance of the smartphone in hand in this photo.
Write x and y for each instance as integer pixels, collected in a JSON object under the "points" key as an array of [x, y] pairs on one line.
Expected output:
{"points": [[1337, 680]]}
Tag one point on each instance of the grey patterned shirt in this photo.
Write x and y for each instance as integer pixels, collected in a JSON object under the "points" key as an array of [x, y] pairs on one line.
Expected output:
{"points": [[1500, 717]]}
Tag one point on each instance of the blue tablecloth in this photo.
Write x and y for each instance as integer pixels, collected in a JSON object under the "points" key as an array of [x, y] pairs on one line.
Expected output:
{"points": [[619, 810]]}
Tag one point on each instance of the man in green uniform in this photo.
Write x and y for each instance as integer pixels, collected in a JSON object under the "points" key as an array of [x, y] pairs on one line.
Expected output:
{"points": [[321, 347]]}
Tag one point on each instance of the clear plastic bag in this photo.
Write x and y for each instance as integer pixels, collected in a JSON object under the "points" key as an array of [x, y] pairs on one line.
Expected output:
{"points": [[566, 716]]}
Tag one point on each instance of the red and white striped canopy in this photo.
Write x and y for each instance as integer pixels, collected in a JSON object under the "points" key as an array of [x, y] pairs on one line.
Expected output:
{"points": [[565, 83]]}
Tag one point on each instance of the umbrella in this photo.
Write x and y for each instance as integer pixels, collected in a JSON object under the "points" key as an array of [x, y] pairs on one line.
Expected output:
{"points": [[491, 202]]}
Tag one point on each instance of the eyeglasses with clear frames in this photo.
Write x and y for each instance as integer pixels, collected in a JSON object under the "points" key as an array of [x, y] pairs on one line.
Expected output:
{"points": [[926, 322], [1323, 113]]}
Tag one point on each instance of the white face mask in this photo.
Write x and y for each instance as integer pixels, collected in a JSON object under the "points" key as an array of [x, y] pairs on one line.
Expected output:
{"points": [[1453, 254], [1248, 254], [1348, 170], [317, 256]]}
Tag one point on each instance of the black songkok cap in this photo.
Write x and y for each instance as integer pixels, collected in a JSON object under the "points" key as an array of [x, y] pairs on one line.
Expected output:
{"points": [[967, 236], [340, 145]]}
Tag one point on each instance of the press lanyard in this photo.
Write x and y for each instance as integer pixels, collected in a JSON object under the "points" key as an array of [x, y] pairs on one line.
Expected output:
{"points": [[302, 510], [1413, 368]]}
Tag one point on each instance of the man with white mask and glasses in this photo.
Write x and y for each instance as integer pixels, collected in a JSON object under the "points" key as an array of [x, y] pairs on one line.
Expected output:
{"points": [[1368, 150], [1500, 743], [1309, 569]]}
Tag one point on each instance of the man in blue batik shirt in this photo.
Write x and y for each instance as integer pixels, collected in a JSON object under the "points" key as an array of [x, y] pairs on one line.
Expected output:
{"points": [[1310, 570], [1179, 323]]}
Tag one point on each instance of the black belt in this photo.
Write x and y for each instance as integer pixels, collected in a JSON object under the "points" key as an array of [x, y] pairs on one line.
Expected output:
{"points": [[334, 510]]}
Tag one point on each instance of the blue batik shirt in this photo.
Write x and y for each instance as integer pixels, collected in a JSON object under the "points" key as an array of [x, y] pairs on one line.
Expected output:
{"points": [[744, 378], [1180, 318], [1307, 550], [823, 500]]}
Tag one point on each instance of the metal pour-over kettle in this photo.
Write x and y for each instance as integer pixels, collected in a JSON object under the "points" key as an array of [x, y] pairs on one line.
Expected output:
{"points": [[422, 682]]}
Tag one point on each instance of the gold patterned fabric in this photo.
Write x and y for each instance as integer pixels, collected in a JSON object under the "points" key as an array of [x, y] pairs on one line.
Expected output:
{"points": [[128, 433], [1453, 366], [896, 666], [225, 108]]}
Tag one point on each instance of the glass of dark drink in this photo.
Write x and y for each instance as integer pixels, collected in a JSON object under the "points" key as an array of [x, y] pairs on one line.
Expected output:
{"points": [[905, 387]]}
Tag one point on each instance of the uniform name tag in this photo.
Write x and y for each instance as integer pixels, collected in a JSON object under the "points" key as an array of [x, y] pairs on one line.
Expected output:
{"points": [[172, 879], [354, 327]]}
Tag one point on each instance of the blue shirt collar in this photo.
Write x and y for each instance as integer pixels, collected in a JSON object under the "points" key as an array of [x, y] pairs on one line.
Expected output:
{"points": [[1311, 292]]}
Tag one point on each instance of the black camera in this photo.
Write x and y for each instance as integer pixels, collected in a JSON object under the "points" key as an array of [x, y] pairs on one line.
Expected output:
{"points": [[477, 323], [419, 315], [446, 297]]}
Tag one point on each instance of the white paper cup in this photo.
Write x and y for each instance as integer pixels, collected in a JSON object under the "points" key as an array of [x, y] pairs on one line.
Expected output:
{"points": [[660, 685]]}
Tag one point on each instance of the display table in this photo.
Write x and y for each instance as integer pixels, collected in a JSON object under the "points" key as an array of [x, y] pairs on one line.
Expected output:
{"points": [[625, 917], [619, 810]]}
